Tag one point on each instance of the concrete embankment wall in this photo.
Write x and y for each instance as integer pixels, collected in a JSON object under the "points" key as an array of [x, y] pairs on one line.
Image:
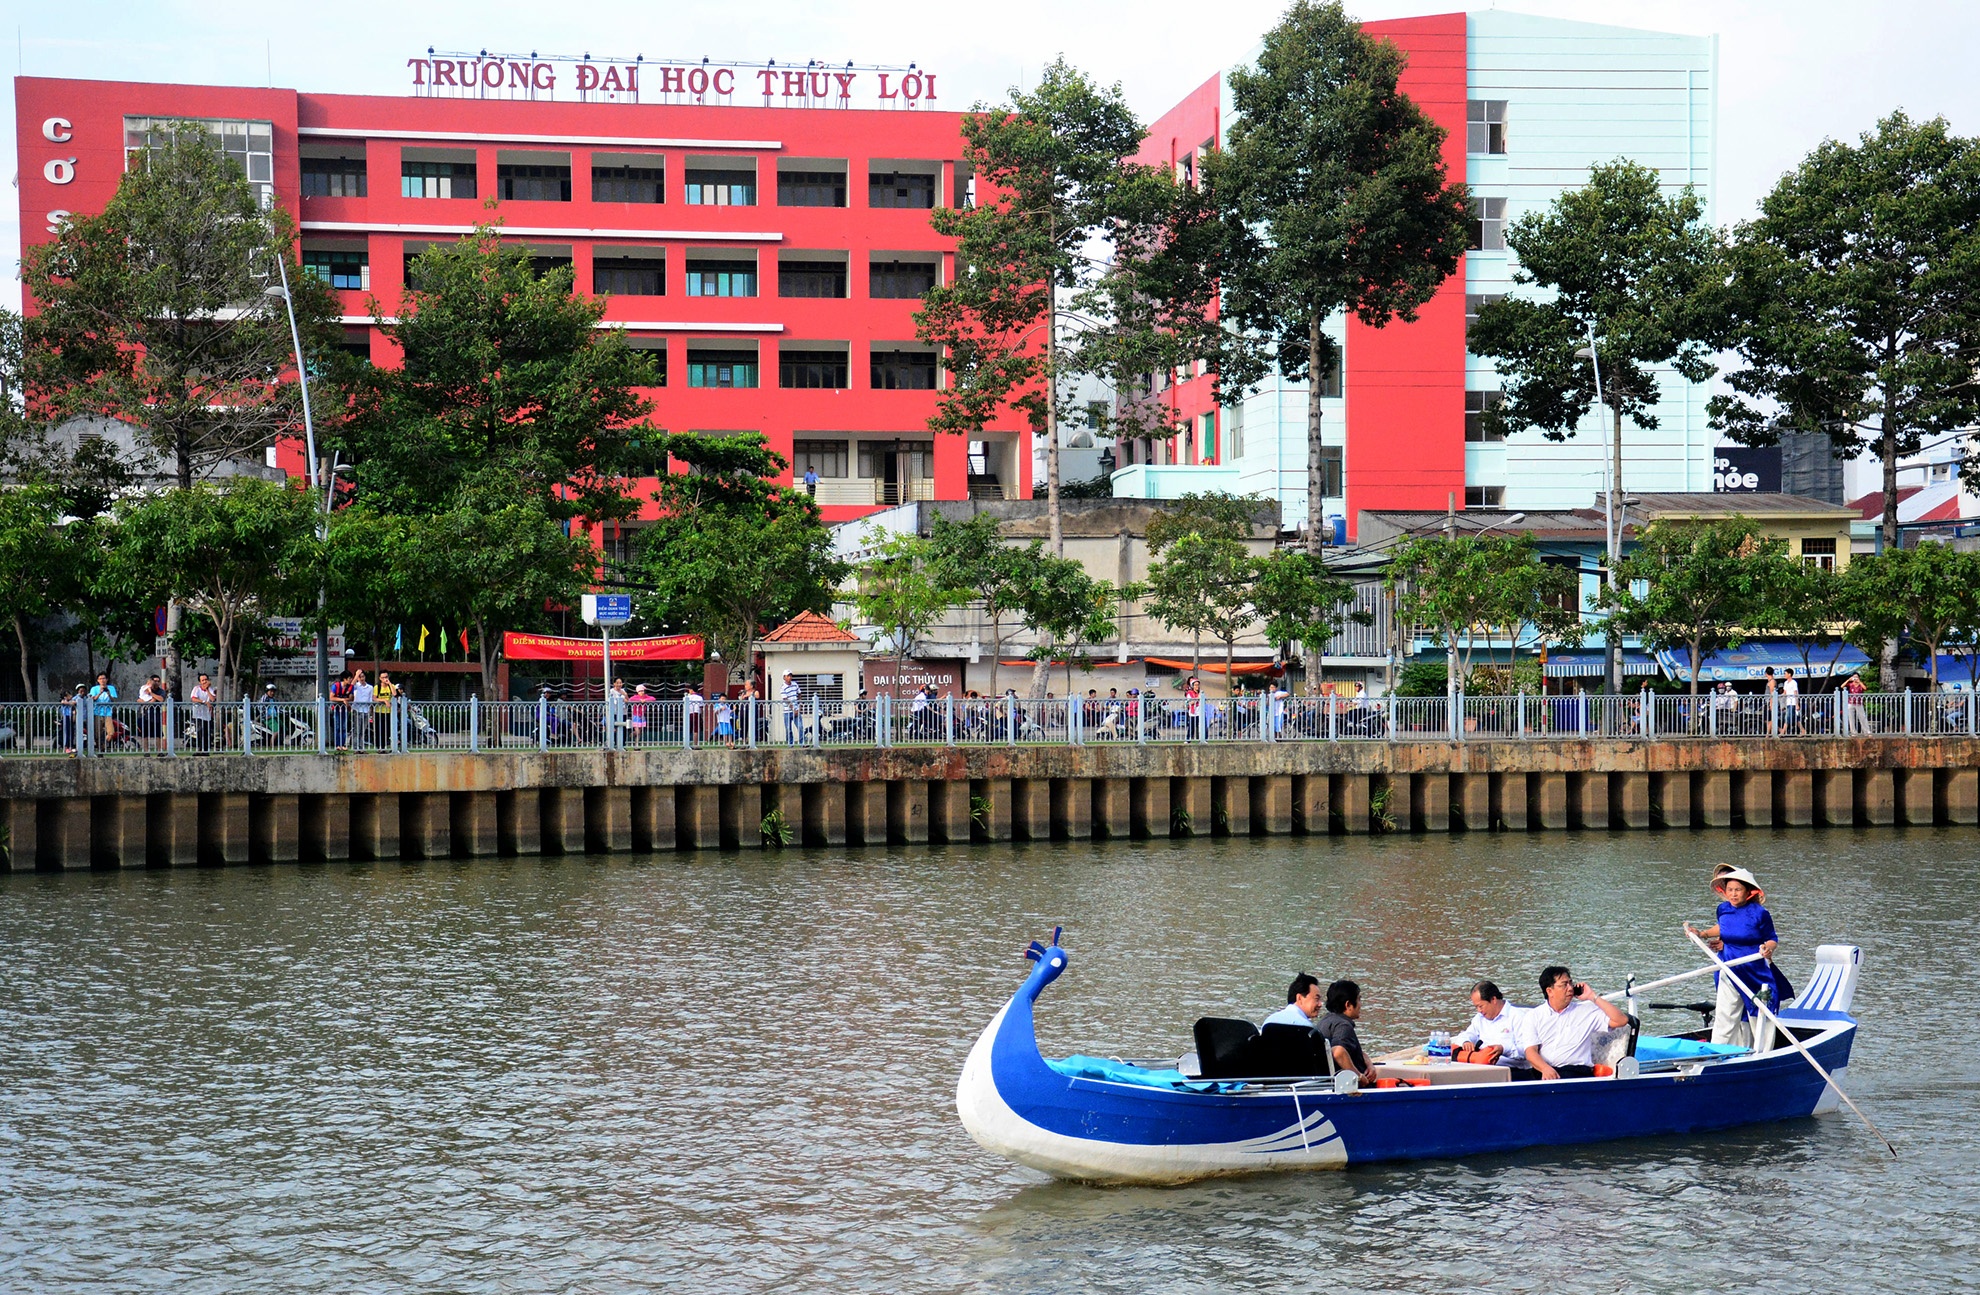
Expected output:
{"points": [[133, 812]]}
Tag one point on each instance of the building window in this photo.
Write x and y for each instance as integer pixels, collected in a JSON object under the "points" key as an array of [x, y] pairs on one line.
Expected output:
{"points": [[629, 277], [899, 280], [900, 191], [1097, 415], [1484, 496], [1485, 126], [519, 183], [826, 458], [250, 145], [654, 352], [1567, 600], [1477, 404], [721, 188], [343, 270], [647, 458], [1819, 553], [356, 343], [811, 278], [721, 279], [1206, 436], [544, 265], [811, 189], [812, 369], [903, 370], [333, 177], [721, 369], [1234, 423], [1333, 472], [1477, 301], [436, 179], [628, 184], [1488, 224], [894, 460], [1332, 387]]}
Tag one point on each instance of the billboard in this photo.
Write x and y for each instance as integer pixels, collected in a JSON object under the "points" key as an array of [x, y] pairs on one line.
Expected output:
{"points": [[1746, 470]]}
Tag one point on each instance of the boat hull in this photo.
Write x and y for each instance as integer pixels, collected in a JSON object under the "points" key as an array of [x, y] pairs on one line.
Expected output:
{"points": [[1016, 1105]]}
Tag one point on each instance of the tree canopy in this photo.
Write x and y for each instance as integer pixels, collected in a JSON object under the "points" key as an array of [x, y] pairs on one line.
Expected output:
{"points": [[1336, 199], [1928, 595], [1852, 301], [1473, 589], [156, 311], [1706, 585]]}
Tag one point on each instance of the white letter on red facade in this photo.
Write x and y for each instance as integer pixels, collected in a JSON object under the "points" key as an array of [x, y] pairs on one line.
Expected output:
{"points": [[56, 130]]}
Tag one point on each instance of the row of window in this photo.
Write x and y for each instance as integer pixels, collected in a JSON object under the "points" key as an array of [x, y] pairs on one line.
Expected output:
{"points": [[878, 460], [814, 370], [705, 277], [347, 177]]}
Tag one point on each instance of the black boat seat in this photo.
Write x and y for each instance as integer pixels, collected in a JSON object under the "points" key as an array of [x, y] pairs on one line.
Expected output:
{"points": [[1230, 1049], [1611, 1046]]}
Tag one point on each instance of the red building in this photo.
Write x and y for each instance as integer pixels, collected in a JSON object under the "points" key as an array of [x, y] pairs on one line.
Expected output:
{"points": [[771, 255]]}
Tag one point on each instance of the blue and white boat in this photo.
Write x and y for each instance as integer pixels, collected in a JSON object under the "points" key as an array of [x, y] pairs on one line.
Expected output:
{"points": [[1098, 1120]]}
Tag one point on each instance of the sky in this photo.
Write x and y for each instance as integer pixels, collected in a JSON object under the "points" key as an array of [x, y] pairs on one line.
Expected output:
{"points": [[1792, 72]]}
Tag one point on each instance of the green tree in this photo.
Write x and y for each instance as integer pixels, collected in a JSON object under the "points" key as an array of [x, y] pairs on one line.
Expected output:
{"points": [[1300, 601], [1032, 306], [38, 569], [1852, 301], [1929, 595], [1473, 589], [732, 551], [1620, 263], [156, 312], [1204, 584], [972, 555], [508, 388], [235, 553], [902, 590], [1805, 604], [1336, 199], [1707, 584], [1212, 514], [1066, 609]]}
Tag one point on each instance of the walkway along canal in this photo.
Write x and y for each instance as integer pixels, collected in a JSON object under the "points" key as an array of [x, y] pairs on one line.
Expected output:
{"points": [[431, 803]]}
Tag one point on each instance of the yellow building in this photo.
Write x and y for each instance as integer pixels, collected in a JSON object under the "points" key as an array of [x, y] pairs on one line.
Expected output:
{"points": [[1816, 532]]}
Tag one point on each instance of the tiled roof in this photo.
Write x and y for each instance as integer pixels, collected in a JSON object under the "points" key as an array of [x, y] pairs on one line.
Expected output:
{"points": [[809, 627]]}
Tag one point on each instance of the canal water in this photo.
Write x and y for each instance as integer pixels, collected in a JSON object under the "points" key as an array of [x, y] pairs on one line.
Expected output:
{"points": [[737, 1072]]}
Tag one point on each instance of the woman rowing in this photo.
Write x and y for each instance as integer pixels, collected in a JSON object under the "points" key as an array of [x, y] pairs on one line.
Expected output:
{"points": [[1744, 928]]}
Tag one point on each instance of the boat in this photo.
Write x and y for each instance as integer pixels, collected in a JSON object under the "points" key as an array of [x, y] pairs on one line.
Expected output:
{"points": [[1105, 1120]]}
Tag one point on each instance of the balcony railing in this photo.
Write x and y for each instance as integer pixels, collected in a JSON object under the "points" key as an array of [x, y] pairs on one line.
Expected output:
{"points": [[864, 492], [172, 728]]}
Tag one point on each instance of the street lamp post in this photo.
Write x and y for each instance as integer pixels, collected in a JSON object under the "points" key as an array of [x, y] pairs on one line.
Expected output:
{"points": [[1611, 532], [309, 448]]}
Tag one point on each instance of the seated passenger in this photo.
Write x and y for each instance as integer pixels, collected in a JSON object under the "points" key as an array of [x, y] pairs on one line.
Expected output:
{"points": [[1558, 1036], [1337, 1028], [1494, 1025], [1302, 1004]]}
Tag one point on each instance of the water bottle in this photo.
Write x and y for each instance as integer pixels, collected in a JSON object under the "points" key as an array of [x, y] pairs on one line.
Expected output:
{"points": [[1439, 1048]]}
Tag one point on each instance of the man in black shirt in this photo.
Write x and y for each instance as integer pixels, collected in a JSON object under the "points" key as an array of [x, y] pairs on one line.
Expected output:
{"points": [[1337, 1027]]}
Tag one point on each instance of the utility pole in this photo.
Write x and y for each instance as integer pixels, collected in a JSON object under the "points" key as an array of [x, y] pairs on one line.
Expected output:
{"points": [[309, 449], [1450, 644], [1612, 533]]}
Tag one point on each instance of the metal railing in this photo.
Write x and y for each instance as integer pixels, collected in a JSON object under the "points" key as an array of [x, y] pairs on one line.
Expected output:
{"points": [[81, 727]]}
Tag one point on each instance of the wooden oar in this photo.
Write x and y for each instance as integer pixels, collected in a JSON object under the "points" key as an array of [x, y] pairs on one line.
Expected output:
{"points": [[1799, 1046]]}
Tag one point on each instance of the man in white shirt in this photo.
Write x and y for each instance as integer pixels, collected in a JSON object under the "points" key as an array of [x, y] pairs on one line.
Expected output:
{"points": [[1558, 1036], [1494, 1024], [793, 698], [1790, 704], [1302, 1007]]}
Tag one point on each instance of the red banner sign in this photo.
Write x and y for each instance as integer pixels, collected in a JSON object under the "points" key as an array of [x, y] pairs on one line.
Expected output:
{"points": [[548, 647]]}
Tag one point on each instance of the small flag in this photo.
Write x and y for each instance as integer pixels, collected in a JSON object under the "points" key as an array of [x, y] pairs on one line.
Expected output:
{"points": [[443, 642], [398, 639], [422, 640], [464, 646]]}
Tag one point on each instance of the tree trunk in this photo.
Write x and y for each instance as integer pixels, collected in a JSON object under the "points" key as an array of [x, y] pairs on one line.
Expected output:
{"points": [[996, 650], [1040, 674], [1887, 659], [1196, 653], [1314, 480], [1229, 653], [1058, 534], [1697, 660], [27, 676]]}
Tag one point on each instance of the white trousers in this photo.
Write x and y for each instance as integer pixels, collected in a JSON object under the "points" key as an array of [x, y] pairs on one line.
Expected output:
{"points": [[1729, 1022]]}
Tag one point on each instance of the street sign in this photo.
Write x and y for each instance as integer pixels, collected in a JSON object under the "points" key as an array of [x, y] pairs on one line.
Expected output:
{"points": [[607, 609]]}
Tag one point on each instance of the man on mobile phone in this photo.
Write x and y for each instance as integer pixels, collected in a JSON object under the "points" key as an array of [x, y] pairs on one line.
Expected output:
{"points": [[1559, 1035]]}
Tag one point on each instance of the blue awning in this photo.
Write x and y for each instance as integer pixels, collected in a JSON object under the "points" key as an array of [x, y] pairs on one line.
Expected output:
{"points": [[1750, 661], [1565, 665], [1958, 671]]}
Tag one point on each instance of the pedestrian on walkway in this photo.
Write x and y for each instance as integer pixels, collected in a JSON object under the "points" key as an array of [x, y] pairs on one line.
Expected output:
{"points": [[151, 716], [362, 697], [202, 698], [792, 698], [381, 708], [340, 710], [691, 713], [1856, 721], [1790, 704]]}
